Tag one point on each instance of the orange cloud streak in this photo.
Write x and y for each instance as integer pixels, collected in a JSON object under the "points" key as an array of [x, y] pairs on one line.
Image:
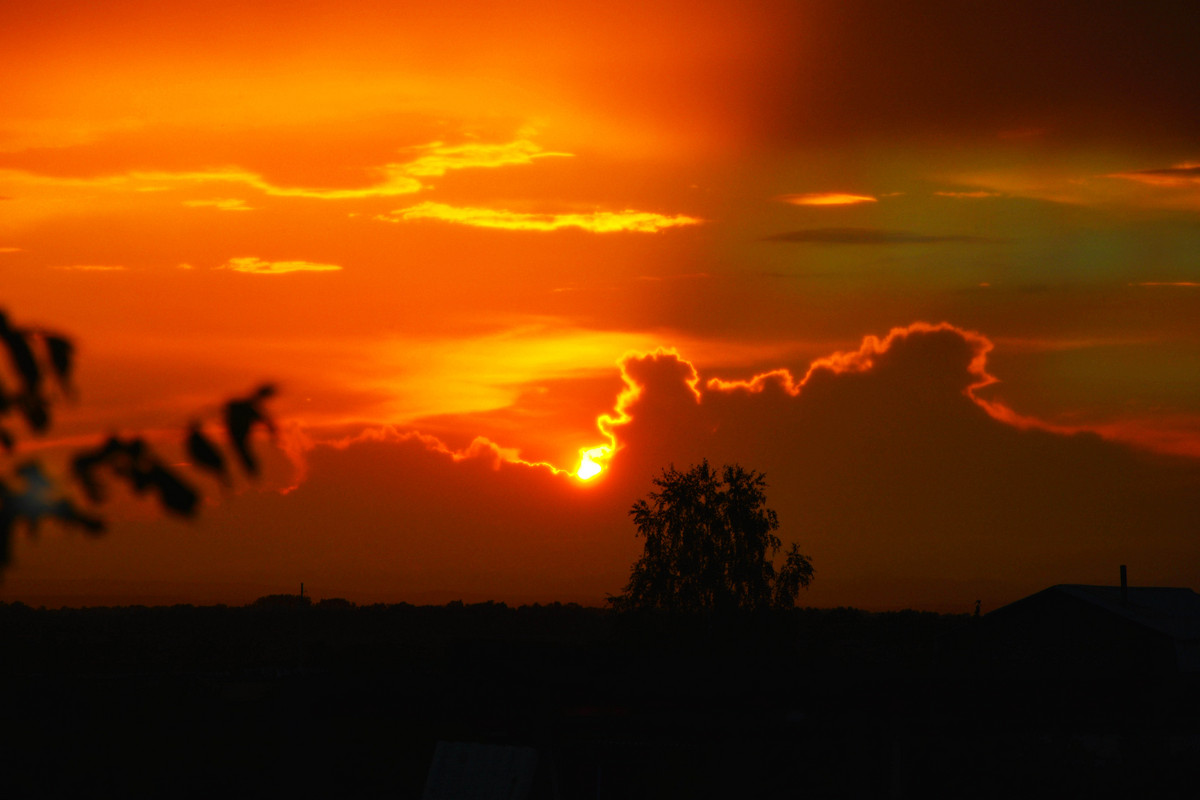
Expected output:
{"points": [[827, 199], [596, 221], [397, 178], [258, 266], [977, 195], [228, 204], [1186, 284], [480, 448], [1185, 174]]}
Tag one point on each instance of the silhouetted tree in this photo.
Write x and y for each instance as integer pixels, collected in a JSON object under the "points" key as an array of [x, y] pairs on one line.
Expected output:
{"points": [[710, 546]]}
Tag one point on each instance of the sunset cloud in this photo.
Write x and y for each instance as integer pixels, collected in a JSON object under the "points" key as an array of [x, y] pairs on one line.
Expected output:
{"points": [[827, 199], [869, 236], [480, 449], [435, 160], [229, 204], [258, 266], [595, 222], [1186, 174], [394, 178], [686, 276], [974, 195], [93, 268], [1183, 284]]}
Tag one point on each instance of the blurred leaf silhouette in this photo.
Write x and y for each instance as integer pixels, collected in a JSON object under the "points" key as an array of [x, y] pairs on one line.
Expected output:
{"points": [[29, 400], [240, 417], [133, 461], [205, 454], [34, 499], [62, 359], [27, 492]]}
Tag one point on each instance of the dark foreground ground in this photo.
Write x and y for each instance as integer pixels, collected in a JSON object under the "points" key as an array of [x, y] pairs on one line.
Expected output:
{"points": [[331, 700]]}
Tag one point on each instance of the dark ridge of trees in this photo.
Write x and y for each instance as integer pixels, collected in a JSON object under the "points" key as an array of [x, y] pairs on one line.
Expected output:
{"points": [[41, 365], [346, 700], [283, 631]]}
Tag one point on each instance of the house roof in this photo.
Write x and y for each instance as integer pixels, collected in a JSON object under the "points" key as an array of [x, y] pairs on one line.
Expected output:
{"points": [[1174, 612]]}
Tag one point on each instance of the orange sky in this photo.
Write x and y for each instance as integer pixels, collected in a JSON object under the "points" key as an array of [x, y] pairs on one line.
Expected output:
{"points": [[440, 225]]}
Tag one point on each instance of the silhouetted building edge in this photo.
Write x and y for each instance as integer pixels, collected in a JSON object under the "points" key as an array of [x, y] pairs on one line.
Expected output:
{"points": [[1141, 629]]}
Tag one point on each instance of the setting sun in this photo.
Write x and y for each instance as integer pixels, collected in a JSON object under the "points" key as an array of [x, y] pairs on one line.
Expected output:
{"points": [[588, 468]]}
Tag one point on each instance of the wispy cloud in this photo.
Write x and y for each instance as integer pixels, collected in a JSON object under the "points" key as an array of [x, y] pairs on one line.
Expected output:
{"points": [[1185, 174], [680, 277], [258, 266], [869, 236], [435, 160], [596, 221], [227, 204], [827, 199], [394, 178], [92, 268], [1184, 284], [975, 195], [10, 249]]}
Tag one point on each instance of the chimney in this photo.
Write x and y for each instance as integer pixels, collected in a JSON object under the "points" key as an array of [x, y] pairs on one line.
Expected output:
{"points": [[1124, 588]]}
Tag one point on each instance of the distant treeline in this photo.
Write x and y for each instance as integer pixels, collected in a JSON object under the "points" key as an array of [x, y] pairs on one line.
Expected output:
{"points": [[293, 632], [285, 697]]}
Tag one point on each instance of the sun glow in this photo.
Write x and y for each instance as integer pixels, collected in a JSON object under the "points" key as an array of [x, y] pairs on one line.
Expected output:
{"points": [[588, 468]]}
